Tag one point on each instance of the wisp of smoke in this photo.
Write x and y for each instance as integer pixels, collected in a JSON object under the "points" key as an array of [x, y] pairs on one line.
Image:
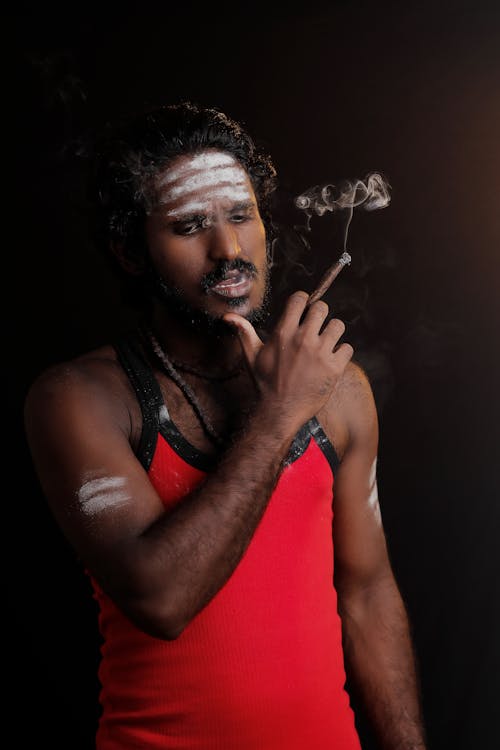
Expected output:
{"points": [[370, 194]]}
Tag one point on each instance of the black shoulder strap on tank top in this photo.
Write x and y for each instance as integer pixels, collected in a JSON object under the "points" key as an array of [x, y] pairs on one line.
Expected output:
{"points": [[148, 394], [324, 444], [312, 429], [155, 417]]}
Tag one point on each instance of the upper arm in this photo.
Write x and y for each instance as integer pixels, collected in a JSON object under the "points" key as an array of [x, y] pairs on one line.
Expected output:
{"points": [[78, 428], [359, 541]]}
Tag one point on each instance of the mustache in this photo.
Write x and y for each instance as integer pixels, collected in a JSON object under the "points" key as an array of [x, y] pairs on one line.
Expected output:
{"points": [[223, 268]]}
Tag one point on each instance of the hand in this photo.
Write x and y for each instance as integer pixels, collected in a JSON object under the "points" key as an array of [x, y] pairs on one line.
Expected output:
{"points": [[297, 369]]}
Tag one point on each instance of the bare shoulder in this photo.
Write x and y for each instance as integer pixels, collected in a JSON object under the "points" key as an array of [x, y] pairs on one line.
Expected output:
{"points": [[350, 414], [91, 367], [354, 389], [94, 377]]}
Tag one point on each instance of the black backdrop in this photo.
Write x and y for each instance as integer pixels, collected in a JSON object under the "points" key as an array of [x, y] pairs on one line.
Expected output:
{"points": [[334, 90]]}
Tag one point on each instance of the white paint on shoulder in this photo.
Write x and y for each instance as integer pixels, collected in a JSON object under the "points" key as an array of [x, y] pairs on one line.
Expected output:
{"points": [[373, 501], [163, 414], [98, 494]]}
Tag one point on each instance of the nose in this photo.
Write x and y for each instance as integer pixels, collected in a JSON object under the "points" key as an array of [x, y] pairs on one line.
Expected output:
{"points": [[224, 242]]}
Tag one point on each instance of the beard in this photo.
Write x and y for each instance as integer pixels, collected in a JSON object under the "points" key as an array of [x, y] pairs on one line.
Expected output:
{"points": [[200, 319]]}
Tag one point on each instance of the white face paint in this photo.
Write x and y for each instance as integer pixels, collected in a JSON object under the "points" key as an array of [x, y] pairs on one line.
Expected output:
{"points": [[199, 180], [201, 162], [205, 205], [102, 493], [202, 180]]}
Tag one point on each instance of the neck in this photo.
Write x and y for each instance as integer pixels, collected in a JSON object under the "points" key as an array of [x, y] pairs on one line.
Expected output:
{"points": [[188, 344]]}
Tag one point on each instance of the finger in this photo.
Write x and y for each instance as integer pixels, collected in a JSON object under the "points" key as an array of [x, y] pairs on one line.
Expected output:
{"points": [[343, 355], [250, 342], [315, 316], [293, 311], [332, 332]]}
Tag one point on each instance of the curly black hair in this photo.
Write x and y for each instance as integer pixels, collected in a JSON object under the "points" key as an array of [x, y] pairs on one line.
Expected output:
{"points": [[128, 156]]}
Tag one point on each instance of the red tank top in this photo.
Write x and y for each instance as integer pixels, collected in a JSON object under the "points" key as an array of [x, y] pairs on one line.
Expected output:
{"points": [[261, 666]]}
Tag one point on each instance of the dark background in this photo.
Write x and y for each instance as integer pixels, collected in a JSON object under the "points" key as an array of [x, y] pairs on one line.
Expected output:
{"points": [[334, 90]]}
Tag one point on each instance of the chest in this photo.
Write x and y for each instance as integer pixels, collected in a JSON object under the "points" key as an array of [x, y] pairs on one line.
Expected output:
{"points": [[204, 411]]}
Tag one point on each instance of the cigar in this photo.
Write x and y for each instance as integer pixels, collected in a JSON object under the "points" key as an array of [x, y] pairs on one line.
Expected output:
{"points": [[328, 278]]}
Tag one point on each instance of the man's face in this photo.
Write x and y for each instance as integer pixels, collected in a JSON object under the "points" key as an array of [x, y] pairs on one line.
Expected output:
{"points": [[206, 238]]}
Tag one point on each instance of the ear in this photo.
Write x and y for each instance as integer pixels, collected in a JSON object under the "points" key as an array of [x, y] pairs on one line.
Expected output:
{"points": [[132, 261]]}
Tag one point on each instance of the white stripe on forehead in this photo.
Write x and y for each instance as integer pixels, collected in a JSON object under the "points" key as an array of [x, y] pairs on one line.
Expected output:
{"points": [[234, 193], [201, 179], [207, 160]]}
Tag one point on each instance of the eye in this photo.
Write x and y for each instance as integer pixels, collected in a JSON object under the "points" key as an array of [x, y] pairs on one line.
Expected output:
{"points": [[240, 218], [185, 229], [188, 226]]}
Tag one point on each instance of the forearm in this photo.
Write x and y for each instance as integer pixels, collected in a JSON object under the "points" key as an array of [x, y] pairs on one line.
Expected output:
{"points": [[381, 667], [186, 556], [165, 575]]}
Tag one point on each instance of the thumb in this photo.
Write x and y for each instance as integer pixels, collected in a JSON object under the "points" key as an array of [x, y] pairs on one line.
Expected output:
{"points": [[250, 342]]}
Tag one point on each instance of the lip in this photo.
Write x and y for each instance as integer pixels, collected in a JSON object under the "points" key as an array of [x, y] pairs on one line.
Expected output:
{"points": [[234, 285]]}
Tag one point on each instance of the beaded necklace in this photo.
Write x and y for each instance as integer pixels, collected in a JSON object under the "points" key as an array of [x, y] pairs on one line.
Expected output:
{"points": [[171, 368]]}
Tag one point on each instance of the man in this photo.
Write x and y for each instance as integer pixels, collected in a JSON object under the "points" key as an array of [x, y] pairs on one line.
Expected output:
{"points": [[194, 466]]}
